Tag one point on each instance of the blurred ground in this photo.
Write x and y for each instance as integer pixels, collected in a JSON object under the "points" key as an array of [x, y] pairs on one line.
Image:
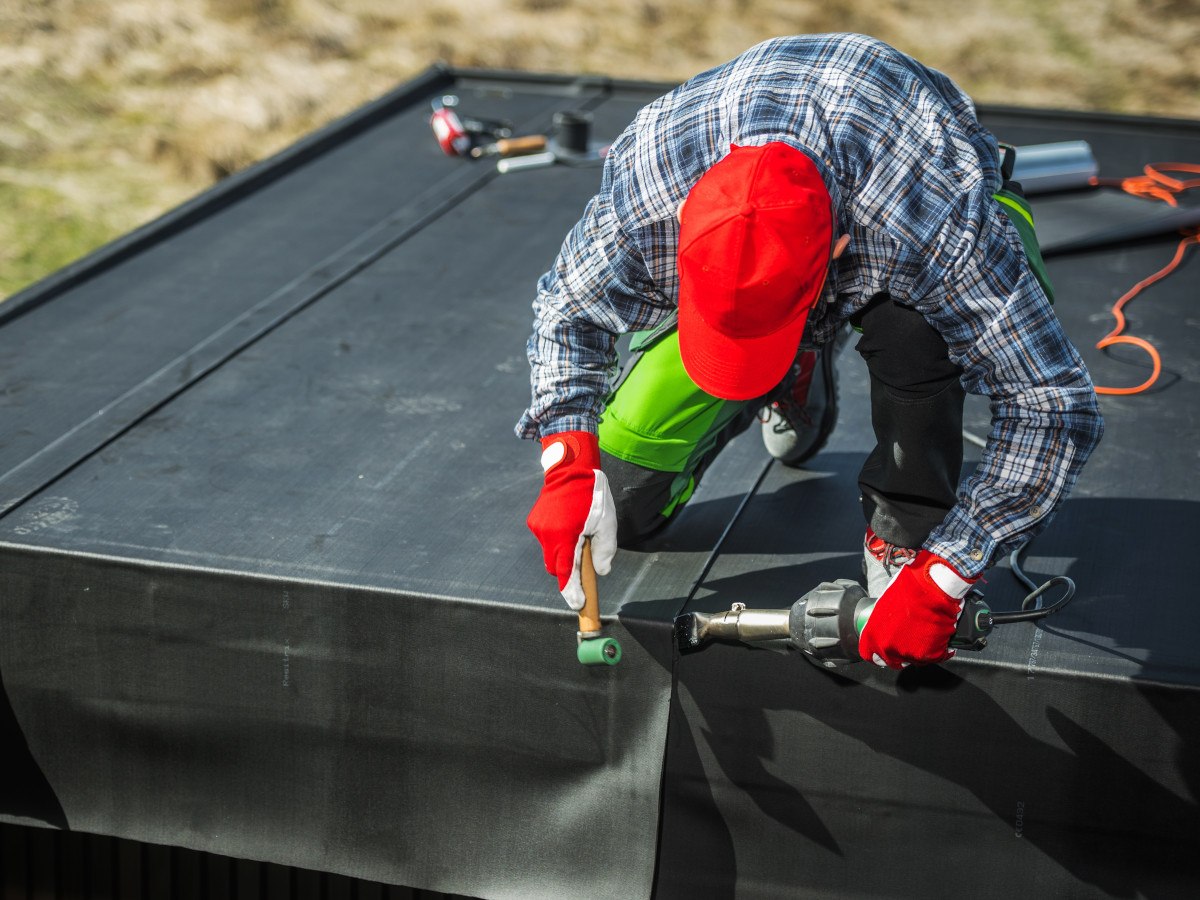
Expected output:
{"points": [[113, 112]]}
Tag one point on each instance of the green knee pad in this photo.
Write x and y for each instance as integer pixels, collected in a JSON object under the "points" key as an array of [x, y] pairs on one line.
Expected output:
{"points": [[658, 418]]}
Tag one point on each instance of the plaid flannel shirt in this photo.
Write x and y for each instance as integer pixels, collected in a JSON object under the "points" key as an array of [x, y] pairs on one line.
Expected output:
{"points": [[911, 173]]}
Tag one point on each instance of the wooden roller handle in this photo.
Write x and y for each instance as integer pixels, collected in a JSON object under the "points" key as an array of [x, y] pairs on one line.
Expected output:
{"points": [[519, 146], [589, 616]]}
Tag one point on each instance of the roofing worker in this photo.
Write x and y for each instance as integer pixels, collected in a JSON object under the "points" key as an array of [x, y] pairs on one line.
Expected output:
{"points": [[744, 221]]}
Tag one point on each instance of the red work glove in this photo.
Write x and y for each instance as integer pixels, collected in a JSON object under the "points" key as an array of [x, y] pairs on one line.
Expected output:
{"points": [[575, 502], [916, 615]]}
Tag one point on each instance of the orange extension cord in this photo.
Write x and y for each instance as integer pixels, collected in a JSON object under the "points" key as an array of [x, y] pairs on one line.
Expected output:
{"points": [[1157, 185]]}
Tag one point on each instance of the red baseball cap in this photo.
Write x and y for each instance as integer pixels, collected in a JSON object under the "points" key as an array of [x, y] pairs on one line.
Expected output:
{"points": [[754, 249]]}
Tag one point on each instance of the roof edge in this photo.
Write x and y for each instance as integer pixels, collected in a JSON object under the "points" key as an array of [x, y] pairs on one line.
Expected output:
{"points": [[224, 192], [439, 74]]}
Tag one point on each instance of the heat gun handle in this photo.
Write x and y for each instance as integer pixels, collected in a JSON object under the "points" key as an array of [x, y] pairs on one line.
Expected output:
{"points": [[974, 625]]}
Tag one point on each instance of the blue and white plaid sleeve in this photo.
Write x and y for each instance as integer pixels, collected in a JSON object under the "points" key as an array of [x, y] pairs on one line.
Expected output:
{"points": [[1002, 331], [598, 289]]}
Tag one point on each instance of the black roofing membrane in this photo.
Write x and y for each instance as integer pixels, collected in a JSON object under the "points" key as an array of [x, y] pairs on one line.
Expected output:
{"points": [[266, 588]]}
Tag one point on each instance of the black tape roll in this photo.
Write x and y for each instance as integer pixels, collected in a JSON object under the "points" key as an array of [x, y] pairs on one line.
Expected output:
{"points": [[571, 130]]}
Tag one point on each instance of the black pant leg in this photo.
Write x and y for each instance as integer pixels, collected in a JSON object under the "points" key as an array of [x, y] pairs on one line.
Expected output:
{"points": [[640, 494], [910, 480]]}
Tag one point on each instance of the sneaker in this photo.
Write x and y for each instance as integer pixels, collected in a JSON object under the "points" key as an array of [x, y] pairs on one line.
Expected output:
{"points": [[797, 425], [881, 562]]}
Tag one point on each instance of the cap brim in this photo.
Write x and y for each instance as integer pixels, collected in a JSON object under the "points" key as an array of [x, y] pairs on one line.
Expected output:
{"points": [[740, 369]]}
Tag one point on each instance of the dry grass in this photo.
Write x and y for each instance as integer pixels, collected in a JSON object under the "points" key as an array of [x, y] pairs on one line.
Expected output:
{"points": [[112, 112]]}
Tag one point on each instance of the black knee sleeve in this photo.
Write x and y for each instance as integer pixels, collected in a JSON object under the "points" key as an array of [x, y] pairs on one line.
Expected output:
{"points": [[909, 481]]}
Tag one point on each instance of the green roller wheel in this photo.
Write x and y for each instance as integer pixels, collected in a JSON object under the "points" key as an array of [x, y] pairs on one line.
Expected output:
{"points": [[599, 652]]}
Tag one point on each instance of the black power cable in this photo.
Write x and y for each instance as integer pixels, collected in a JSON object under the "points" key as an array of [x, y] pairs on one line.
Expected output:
{"points": [[1029, 612], [1030, 606]]}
